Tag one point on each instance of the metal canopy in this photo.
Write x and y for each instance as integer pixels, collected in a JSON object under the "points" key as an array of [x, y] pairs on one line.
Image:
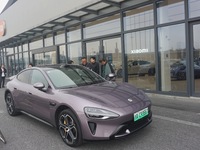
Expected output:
{"points": [[93, 11]]}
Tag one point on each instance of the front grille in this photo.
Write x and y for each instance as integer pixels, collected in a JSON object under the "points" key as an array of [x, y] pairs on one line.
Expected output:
{"points": [[133, 126]]}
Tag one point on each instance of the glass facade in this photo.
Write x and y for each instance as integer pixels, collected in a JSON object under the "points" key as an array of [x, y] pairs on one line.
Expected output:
{"points": [[62, 52], [147, 45], [172, 52], [102, 27], [139, 18], [60, 38], [194, 9], [170, 10], [74, 34], [196, 57], [75, 52], [140, 53], [25, 60], [48, 41]]}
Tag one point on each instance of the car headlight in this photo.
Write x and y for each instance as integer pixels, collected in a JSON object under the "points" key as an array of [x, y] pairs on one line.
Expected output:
{"points": [[97, 113]]}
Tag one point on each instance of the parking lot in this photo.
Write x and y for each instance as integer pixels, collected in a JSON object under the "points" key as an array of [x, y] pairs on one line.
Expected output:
{"points": [[173, 128]]}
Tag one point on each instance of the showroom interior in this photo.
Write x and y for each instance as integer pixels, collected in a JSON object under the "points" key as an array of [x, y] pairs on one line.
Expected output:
{"points": [[152, 44]]}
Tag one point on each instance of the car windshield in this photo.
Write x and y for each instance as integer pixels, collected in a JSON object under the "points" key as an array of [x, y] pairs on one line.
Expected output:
{"points": [[72, 76]]}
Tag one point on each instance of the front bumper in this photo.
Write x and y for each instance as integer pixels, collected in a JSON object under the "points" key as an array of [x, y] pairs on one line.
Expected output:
{"points": [[112, 129], [131, 127]]}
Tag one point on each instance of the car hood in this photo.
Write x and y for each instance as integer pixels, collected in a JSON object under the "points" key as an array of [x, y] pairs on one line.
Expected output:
{"points": [[109, 94]]}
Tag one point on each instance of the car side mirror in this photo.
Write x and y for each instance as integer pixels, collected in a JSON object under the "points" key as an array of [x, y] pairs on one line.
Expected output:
{"points": [[111, 77], [39, 86]]}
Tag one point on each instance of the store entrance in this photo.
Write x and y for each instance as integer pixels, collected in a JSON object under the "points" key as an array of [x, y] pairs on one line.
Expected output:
{"points": [[110, 49], [45, 56]]}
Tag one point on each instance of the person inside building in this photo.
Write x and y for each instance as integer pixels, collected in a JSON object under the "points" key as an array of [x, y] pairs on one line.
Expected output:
{"points": [[106, 68], [94, 65], [3, 72], [70, 62], [30, 65], [85, 63]]}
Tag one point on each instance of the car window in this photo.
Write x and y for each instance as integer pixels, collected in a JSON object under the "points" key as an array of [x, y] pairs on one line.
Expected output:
{"points": [[24, 76], [144, 62], [135, 63], [37, 76], [73, 76]]}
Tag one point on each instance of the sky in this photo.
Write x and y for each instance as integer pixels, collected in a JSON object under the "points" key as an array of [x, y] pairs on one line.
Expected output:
{"points": [[2, 4]]}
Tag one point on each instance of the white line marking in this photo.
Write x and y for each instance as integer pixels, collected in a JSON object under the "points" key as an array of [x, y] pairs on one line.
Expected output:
{"points": [[177, 121]]}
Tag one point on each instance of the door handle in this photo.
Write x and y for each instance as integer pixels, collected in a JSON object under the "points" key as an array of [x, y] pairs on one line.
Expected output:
{"points": [[15, 88], [30, 93], [52, 103]]}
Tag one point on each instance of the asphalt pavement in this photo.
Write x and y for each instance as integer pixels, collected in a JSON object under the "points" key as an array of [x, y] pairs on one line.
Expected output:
{"points": [[175, 126]]}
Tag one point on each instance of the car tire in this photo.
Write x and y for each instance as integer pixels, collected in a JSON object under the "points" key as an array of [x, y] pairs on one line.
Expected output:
{"points": [[181, 76], [12, 111], [69, 128], [119, 73], [151, 71]]}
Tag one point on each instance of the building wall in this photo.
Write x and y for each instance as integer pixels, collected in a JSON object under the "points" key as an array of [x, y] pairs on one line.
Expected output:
{"points": [[27, 14]]}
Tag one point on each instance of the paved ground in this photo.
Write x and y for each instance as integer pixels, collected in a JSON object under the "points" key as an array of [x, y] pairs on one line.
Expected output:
{"points": [[175, 126]]}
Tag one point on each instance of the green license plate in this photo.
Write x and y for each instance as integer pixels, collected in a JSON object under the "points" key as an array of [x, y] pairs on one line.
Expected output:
{"points": [[141, 114]]}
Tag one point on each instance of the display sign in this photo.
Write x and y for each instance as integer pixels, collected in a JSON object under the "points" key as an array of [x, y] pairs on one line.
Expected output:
{"points": [[139, 51], [2, 28]]}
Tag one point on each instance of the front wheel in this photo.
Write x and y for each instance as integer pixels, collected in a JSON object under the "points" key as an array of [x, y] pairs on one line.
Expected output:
{"points": [[69, 128], [10, 105]]}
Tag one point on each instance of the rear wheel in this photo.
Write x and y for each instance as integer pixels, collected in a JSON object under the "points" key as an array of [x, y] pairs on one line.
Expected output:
{"points": [[69, 128], [10, 105]]}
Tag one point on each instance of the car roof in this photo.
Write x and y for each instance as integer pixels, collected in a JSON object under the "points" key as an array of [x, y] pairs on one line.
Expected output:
{"points": [[55, 66]]}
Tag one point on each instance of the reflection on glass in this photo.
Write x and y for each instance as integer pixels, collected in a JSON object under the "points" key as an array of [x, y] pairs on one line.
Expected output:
{"points": [[19, 48], [48, 41], [92, 49], [45, 58], [170, 10], [9, 51], [11, 65], [25, 60], [139, 17], [196, 54], [194, 9], [25, 47], [60, 38], [103, 26], [140, 52], [172, 58], [75, 52], [113, 54], [20, 67], [36, 44], [16, 63], [62, 52], [74, 34]]}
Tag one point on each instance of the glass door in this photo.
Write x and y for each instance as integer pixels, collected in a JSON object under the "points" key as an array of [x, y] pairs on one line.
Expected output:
{"points": [[195, 50], [110, 49], [113, 54], [45, 58]]}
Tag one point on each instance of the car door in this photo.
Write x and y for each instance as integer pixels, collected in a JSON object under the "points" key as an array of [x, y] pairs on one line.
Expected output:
{"points": [[20, 92], [40, 100], [133, 68]]}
